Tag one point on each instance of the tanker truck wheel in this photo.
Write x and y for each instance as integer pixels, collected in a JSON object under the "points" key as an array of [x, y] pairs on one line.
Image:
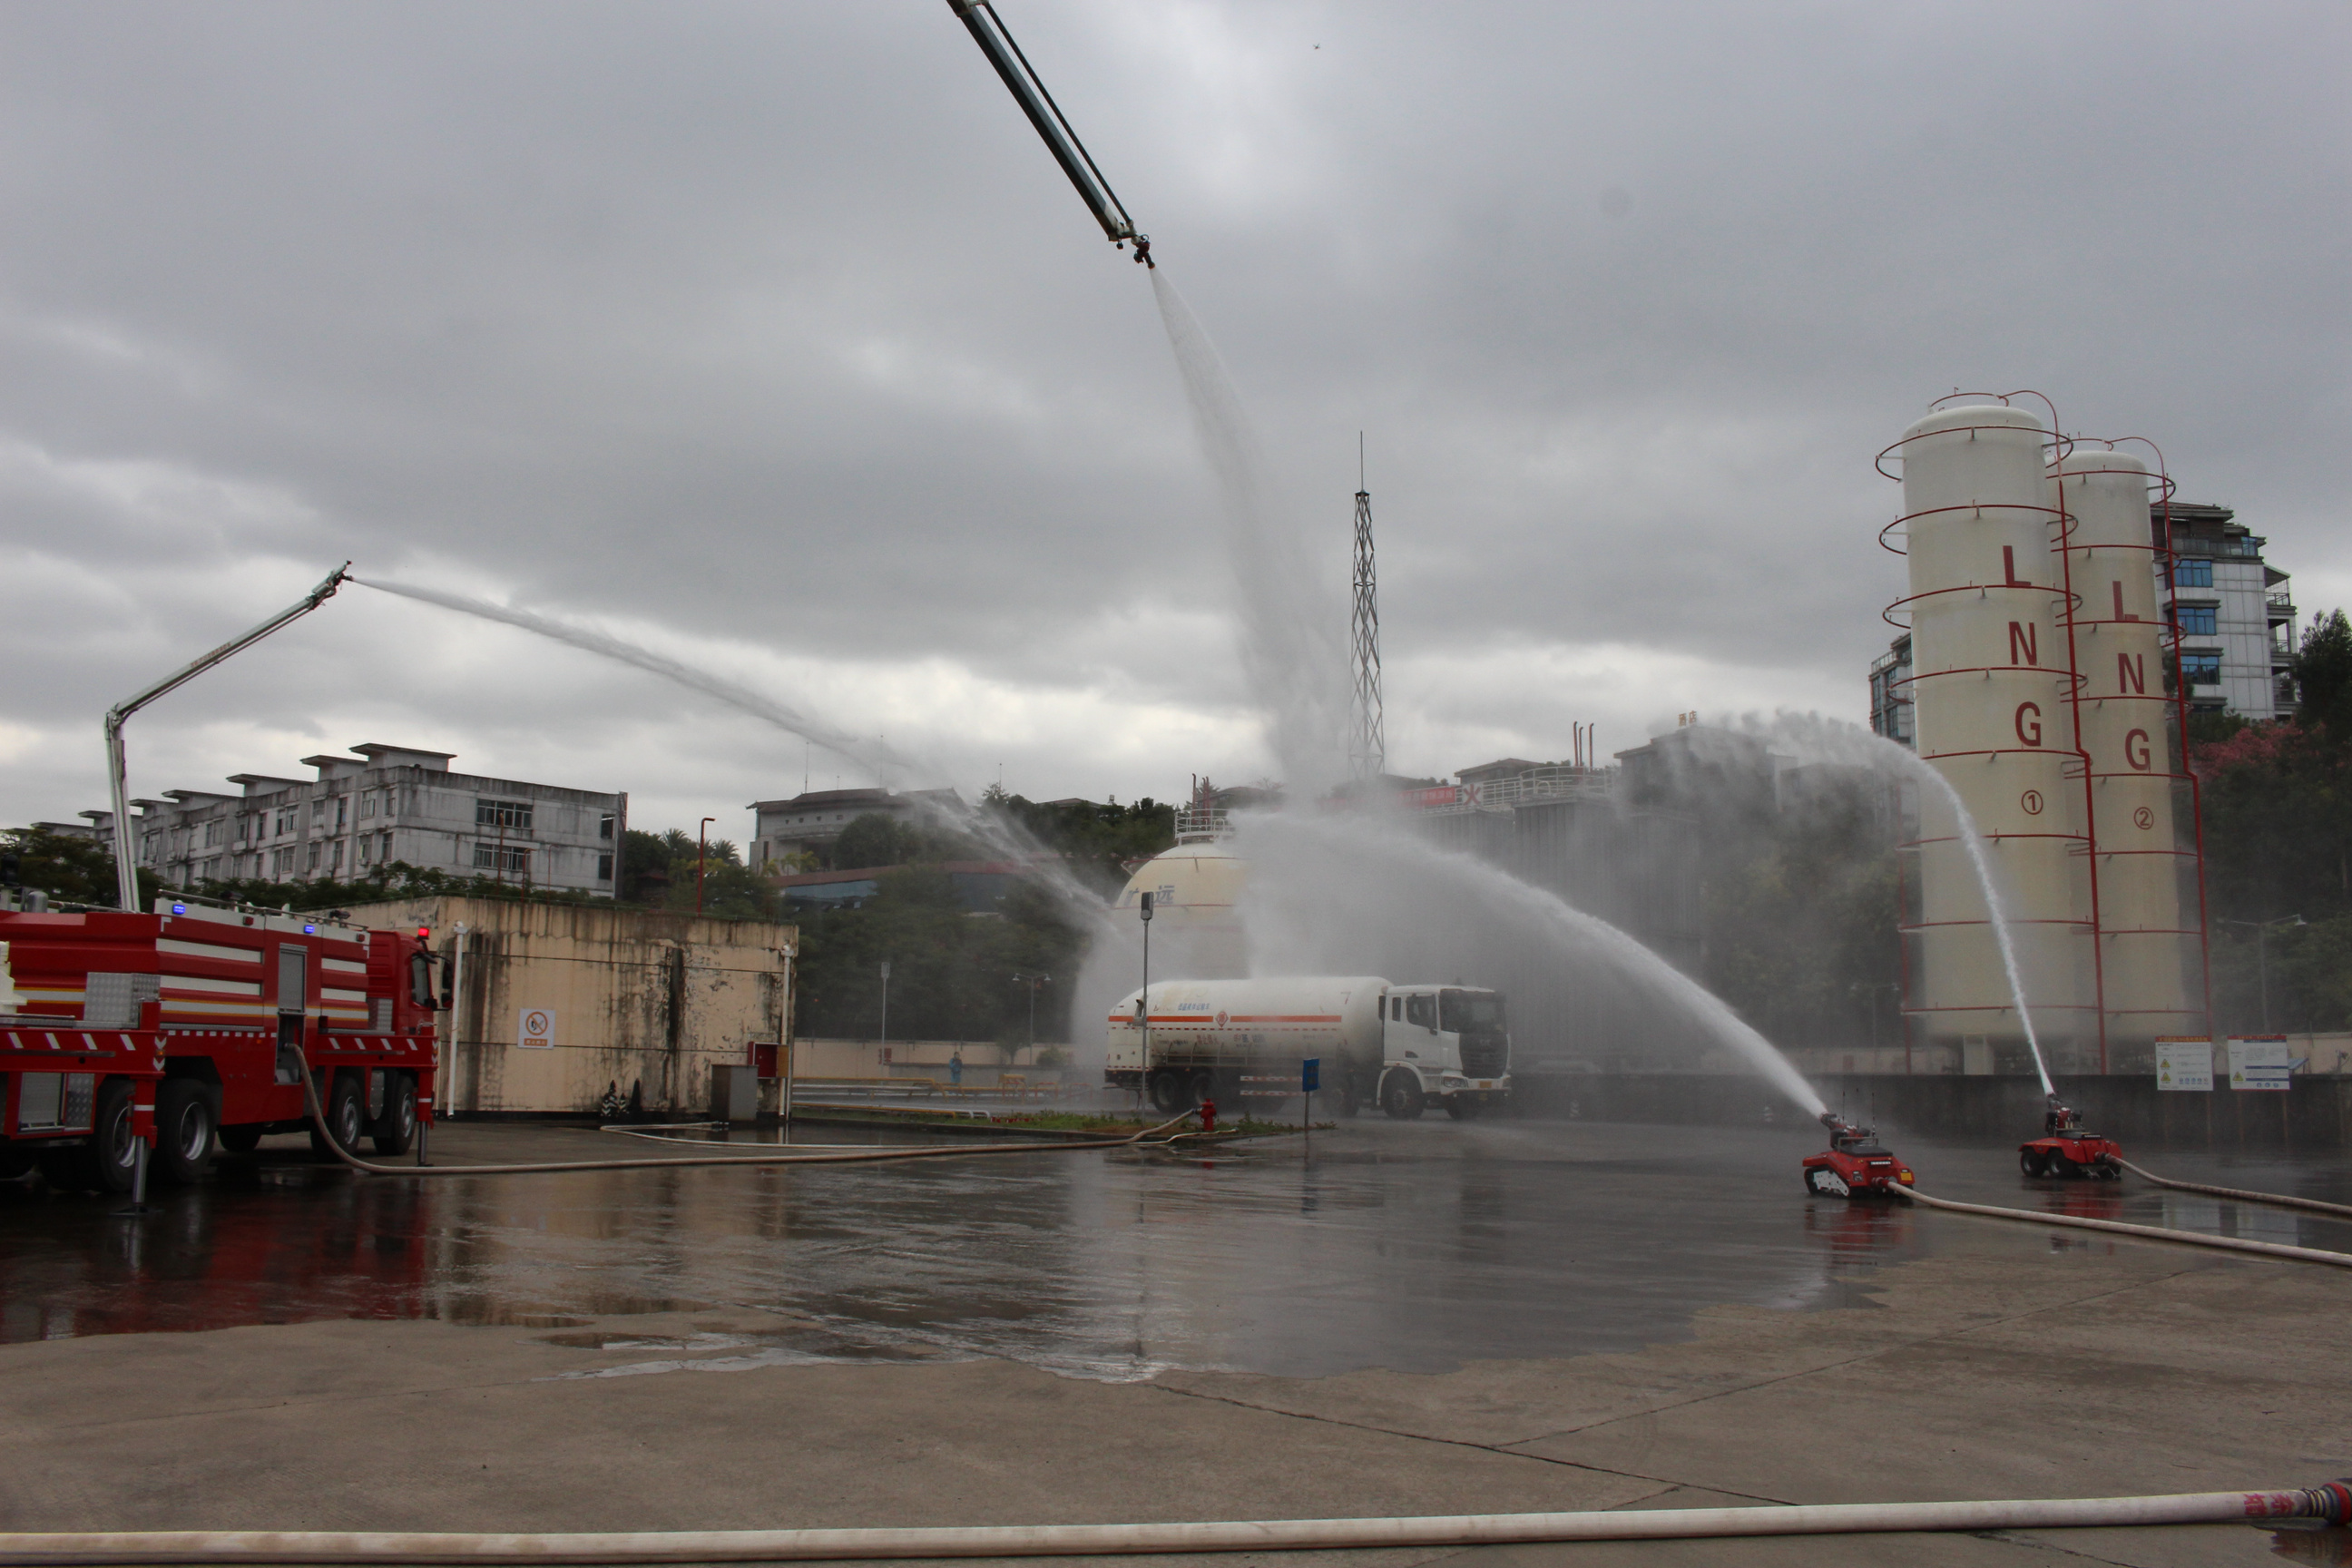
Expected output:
{"points": [[1346, 1101], [1401, 1097], [1461, 1109], [1167, 1093]]}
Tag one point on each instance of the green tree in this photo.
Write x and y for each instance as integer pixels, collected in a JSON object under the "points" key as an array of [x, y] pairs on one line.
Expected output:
{"points": [[2323, 676], [951, 970], [71, 871], [1800, 928]]}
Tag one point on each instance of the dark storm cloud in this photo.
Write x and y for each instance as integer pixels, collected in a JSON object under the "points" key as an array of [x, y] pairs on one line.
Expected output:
{"points": [[771, 328]]}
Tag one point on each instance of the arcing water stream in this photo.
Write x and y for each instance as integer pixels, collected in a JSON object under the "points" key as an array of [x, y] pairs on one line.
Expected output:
{"points": [[1829, 739], [866, 752], [1292, 645], [1329, 893]]}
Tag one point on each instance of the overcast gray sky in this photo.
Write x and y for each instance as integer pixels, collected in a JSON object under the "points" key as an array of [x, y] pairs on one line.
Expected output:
{"points": [[769, 335]]}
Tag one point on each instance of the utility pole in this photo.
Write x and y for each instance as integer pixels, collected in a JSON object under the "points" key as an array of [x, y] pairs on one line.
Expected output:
{"points": [[702, 853], [1366, 745]]}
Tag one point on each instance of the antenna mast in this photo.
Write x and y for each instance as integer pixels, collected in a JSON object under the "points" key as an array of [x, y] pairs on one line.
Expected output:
{"points": [[1366, 745]]}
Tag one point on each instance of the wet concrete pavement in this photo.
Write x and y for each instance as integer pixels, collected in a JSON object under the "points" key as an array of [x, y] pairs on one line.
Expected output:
{"points": [[1430, 1318], [1413, 1246]]}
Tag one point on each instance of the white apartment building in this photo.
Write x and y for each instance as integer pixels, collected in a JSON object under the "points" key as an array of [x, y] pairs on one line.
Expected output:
{"points": [[385, 805], [2234, 610]]}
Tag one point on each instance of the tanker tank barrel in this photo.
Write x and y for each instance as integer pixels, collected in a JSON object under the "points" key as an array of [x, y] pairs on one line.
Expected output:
{"points": [[995, 41]]}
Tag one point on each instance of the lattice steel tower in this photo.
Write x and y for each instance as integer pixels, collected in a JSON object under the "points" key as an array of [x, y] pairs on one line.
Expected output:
{"points": [[1366, 745]]}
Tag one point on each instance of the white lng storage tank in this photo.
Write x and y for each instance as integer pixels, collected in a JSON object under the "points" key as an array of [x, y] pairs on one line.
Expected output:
{"points": [[1991, 694]]}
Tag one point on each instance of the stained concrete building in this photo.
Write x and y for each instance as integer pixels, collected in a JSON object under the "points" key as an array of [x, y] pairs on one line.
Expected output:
{"points": [[385, 805], [623, 997]]}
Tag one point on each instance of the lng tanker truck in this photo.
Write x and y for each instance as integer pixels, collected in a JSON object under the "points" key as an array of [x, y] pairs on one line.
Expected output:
{"points": [[1403, 1046]]}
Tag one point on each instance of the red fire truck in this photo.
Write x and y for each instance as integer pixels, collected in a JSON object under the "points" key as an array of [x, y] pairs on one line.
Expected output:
{"points": [[199, 1021]]}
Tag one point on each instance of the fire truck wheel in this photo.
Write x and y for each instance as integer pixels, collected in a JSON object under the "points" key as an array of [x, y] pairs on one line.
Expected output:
{"points": [[15, 1163], [240, 1139], [345, 1116], [2030, 1162], [1401, 1097], [108, 1160], [396, 1131], [2060, 1165], [184, 1130], [1347, 1100]]}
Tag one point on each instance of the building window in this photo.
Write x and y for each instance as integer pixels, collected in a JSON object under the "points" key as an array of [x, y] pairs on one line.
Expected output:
{"points": [[367, 850], [503, 857], [2201, 669], [312, 864], [604, 867], [605, 826], [367, 806], [318, 811], [335, 859], [509, 813], [2192, 573], [215, 831], [2196, 620], [385, 852], [342, 812]]}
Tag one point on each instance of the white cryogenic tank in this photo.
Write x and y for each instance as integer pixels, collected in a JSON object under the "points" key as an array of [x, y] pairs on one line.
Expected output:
{"points": [[2143, 828], [1991, 691]]}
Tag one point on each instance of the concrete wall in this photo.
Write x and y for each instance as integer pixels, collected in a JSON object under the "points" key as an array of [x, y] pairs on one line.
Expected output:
{"points": [[636, 997], [2316, 1113], [915, 1058]]}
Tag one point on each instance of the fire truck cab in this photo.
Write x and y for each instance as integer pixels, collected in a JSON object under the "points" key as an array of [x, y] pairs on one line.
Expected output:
{"points": [[196, 1023]]}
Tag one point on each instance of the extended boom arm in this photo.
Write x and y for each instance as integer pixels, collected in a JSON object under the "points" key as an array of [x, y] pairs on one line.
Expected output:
{"points": [[988, 31], [126, 874]]}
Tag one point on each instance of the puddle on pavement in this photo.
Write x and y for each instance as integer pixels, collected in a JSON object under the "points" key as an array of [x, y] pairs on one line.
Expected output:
{"points": [[1415, 1247]]}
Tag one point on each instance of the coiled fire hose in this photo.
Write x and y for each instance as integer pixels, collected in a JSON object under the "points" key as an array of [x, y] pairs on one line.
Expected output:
{"points": [[2279, 1199], [857, 1156], [2327, 1504], [2145, 1232]]}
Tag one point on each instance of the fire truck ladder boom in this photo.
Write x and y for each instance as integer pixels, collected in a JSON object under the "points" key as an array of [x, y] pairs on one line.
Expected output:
{"points": [[988, 31], [126, 873]]}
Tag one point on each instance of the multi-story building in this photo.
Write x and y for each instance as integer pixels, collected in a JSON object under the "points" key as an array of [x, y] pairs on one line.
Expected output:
{"points": [[2233, 610], [386, 806], [1890, 692], [783, 828]]}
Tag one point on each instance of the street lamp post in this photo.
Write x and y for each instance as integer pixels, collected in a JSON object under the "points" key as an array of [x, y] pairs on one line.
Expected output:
{"points": [[886, 1009], [1033, 982], [2263, 929], [702, 853]]}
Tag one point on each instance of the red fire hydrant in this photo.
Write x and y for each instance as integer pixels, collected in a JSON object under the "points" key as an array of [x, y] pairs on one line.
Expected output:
{"points": [[1208, 1115]]}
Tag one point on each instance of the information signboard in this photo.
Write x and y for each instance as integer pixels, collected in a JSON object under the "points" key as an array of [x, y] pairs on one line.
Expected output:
{"points": [[2258, 1061], [2184, 1064]]}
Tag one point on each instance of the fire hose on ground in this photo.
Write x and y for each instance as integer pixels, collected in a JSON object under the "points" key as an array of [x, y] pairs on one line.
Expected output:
{"points": [[2328, 1504], [2145, 1232], [2279, 1199], [855, 1156]]}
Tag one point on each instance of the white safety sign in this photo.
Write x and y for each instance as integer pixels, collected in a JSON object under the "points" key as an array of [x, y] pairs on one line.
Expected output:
{"points": [[2258, 1061], [537, 1032], [2183, 1064]]}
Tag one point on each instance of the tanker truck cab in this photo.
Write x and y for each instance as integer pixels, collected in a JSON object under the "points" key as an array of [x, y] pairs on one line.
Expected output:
{"points": [[1449, 1043]]}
